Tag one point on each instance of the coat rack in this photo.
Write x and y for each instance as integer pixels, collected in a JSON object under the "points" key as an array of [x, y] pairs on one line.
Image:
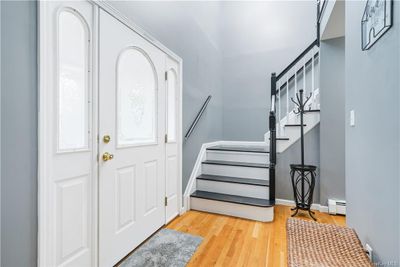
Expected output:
{"points": [[302, 176]]}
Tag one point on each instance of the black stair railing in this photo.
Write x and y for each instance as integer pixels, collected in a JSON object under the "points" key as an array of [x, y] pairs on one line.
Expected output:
{"points": [[277, 90], [275, 93]]}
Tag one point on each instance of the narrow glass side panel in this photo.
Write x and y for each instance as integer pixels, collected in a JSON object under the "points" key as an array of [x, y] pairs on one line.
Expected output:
{"points": [[73, 82], [171, 105]]}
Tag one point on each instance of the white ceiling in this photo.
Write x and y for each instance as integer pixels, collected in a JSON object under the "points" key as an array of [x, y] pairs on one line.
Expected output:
{"points": [[158, 15], [333, 26], [250, 27]]}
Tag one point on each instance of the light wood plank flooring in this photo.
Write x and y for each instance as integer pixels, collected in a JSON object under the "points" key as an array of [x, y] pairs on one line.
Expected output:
{"points": [[230, 241]]}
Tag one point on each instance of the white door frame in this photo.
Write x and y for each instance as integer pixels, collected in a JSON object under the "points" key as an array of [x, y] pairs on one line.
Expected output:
{"points": [[44, 86]]}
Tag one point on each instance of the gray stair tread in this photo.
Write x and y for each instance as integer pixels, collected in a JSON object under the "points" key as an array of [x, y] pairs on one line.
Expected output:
{"points": [[234, 199], [281, 138], [294, 125], [228, 179], [254, 149], [236, 163]]}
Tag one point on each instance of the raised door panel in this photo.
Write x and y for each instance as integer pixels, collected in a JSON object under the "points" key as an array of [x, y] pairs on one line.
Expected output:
{"points": [[125, 185], [172, 184], [72, 219]]}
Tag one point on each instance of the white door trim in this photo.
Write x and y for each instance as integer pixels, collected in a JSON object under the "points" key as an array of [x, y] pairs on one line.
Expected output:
{"points": [[43, 86], [42, 164]]}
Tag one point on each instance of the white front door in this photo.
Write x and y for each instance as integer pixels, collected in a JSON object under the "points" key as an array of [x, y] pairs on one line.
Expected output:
{"points": [[131, 146], [106, 108]]}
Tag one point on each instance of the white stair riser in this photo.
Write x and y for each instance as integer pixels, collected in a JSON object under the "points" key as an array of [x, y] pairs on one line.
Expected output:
{"points": [[263, 214], [310, 119], [236, 171], [244, 190], [238, 156], [293, 133]]}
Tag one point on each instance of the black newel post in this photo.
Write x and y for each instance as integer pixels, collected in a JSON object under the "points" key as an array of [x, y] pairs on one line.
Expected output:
{"points": [[272, 140], [302, 176]]}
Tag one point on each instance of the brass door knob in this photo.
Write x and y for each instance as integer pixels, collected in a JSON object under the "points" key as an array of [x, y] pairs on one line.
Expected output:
{"points": [[107, 156], [106, 139]]}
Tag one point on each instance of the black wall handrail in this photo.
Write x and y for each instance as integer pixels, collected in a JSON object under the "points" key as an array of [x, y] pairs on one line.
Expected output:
{"points": [[197, 119]]}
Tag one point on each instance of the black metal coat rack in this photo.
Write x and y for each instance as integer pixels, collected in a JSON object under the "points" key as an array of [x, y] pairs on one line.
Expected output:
{"points": [[302, 176]]}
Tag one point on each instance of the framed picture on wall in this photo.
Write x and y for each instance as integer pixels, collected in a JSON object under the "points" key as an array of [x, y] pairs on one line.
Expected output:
{"points": [[376, 21]]}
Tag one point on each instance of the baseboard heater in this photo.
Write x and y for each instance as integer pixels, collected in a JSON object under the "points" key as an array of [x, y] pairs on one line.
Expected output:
{"points": [[337, 206]]}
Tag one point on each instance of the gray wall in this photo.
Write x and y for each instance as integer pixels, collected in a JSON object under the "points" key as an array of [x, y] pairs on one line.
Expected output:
{"points": [[181, 27], [191, 30], [258, 38], [325, 144], [372, 146], [332, 147], [19, 134]]}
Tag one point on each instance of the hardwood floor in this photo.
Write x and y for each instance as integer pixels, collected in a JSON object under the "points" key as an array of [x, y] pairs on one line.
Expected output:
{"points": [[230, 241]]}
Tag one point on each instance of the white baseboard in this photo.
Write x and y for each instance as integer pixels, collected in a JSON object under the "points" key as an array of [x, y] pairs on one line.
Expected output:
{"points": [[291, 203], [182, 210], [243, 143], [278, 201]]}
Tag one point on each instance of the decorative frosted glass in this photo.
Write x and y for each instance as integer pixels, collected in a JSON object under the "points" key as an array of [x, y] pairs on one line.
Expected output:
{"points": [[73, 82], [171, 105], [136, 86]]}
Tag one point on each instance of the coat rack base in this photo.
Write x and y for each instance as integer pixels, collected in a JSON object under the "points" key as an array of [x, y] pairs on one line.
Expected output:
{"points": [[303, 183]]}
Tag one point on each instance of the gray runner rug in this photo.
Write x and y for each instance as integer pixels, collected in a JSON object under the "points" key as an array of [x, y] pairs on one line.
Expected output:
{"points": [[166, 248]]}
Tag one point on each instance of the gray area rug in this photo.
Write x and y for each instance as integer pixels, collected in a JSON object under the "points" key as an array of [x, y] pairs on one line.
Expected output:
{"points": [[165, 248]]}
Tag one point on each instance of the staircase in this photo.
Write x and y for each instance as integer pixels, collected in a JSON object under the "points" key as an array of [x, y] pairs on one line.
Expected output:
{"points": [[234, 180], [238, 178]]}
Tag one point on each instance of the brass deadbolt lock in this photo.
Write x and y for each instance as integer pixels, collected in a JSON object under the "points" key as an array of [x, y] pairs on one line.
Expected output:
{"points": [[106, 139]]}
